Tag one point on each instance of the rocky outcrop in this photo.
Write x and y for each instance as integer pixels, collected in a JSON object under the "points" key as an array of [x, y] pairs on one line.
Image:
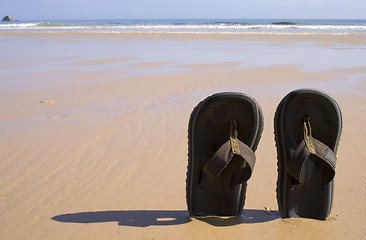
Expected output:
{"points": [[9, 18]]}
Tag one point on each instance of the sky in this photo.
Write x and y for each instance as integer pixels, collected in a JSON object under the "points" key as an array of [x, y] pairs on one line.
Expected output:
{"points": [[182, 9]]}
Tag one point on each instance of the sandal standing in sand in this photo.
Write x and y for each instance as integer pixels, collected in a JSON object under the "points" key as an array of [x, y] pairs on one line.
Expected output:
{"points": [[308, 126], [224, 131]]}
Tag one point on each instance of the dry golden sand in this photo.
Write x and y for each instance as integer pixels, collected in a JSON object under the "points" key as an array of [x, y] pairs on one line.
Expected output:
{"points": [[107, 160]]}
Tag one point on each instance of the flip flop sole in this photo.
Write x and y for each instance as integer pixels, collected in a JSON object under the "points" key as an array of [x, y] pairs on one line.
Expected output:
{"points": [[311, 198], [208, 129]]}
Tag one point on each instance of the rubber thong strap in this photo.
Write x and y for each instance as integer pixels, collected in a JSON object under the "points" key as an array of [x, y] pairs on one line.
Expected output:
{"points": [[223, 156], [311, 146]]}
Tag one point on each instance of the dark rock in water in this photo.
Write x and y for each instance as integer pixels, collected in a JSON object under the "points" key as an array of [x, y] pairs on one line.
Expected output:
{"points": [[8, 18], [284, 23]]}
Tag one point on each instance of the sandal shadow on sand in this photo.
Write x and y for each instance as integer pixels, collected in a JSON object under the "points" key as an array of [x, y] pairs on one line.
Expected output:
{"points": [[223, 133], [308, 125]]}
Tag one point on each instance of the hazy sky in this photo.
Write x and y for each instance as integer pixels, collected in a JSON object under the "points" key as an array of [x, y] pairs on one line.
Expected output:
{"points": [[160, 9]]}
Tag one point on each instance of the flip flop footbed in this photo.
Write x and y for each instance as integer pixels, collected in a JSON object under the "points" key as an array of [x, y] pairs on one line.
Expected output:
{"points": [[312, 198], [209, 128]]}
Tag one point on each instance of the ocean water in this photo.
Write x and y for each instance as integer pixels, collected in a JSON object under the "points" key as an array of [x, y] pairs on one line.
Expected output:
{"points": [[201, 26]]}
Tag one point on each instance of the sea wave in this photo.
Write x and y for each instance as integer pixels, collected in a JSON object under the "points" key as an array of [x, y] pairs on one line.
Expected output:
{"points": [[9, 26], [188, 26], [227, 33]]}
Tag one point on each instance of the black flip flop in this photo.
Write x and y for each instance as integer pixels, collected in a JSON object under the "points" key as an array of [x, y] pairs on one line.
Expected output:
{"points": [[223, 133], [308, 125]]}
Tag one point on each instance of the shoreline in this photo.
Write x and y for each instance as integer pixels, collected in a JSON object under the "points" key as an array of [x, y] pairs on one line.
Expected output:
{"points": [[347, 38]]}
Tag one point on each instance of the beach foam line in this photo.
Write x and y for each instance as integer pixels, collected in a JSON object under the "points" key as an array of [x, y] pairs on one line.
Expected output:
{"points": [[361, 34], [202, 26]]}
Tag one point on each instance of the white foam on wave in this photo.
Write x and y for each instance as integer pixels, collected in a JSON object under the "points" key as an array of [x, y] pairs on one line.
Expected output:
{"points": [[43, 25], [223, 33], [221, 28], [238, 27], [17, 26]]}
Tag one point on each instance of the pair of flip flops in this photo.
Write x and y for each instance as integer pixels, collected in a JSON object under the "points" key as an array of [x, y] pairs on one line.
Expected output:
{"points": [[224, 131]]}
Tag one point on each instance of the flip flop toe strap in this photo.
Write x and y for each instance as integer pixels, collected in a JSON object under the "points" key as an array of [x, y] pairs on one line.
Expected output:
{"points": [[296, 165], [223, 156]]}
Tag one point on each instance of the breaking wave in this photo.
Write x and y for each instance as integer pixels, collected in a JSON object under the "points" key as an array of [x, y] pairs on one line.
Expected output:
{"points": [[194, 26]]}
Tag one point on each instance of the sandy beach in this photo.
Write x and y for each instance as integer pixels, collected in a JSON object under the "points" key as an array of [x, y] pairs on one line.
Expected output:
{"points": [[94, 131]]}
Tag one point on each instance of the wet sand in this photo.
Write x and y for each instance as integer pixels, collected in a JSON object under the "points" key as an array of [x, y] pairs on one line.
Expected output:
{"points": [[94, 132]]}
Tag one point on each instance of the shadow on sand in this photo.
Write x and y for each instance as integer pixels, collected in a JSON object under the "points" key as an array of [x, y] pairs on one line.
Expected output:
{"points": [[145, 218]]}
